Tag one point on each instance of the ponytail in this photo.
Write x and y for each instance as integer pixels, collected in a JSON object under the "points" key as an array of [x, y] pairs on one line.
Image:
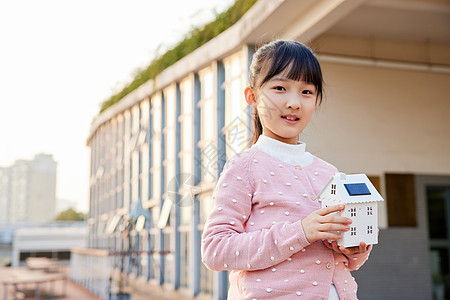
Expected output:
{"points": [[257, 127]]}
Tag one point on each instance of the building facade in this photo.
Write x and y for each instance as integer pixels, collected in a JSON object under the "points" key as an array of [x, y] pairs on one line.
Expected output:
{"points": [[28, 191], [54, 241], [156, 155]]}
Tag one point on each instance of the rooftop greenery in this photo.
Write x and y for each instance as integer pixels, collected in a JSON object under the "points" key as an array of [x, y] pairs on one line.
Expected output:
{"points": [[193, 40]]}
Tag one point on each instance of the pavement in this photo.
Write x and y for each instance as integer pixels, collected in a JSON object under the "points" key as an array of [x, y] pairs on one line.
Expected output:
{"points": [[73, 290]]}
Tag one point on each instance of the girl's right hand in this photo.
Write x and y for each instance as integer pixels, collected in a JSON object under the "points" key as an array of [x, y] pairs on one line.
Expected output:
{"points": [[318, 224]]}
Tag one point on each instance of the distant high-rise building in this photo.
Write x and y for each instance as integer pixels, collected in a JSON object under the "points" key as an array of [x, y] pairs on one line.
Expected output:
{"points": [[28, 190], [4, 194]]}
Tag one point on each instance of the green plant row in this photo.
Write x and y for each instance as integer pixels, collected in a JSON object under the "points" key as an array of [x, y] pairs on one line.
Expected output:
{"points": [[193, 40]]}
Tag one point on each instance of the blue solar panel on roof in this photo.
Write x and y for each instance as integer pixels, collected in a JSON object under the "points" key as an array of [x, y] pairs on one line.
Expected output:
{"points": [[356, 189]]}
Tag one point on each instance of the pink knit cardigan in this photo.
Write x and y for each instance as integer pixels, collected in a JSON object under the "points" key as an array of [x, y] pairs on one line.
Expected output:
{"points": [[255, 230]]}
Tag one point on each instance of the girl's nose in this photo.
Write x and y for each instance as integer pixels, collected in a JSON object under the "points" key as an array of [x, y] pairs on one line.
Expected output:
{"points": [[293, 104], [293, 101]]}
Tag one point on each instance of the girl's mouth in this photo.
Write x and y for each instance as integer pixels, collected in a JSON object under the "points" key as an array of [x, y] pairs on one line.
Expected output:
{"points": [[291, 119]]}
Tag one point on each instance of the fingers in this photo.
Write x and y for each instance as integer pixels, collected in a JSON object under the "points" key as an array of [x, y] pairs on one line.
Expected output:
{"points": [[327, 244], [335, 219], [333, 246], [334, 223], [320, 231], [353, 250], [345, 251], [362, 247], [326, 215], [330, 209], [333, 227], [330, 235], [318, 224]]}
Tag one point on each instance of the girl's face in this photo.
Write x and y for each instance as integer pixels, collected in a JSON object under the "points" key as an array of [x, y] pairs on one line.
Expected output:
{"points": [[285, 107]]}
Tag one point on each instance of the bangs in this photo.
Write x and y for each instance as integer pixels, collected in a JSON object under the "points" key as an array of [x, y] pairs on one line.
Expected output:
{"points": [[295, 63]]}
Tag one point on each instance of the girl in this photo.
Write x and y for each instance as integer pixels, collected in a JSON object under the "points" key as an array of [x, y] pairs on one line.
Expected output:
{"points": [[266, 224]]}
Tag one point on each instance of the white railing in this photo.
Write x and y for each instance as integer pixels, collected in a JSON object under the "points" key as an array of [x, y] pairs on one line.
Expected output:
{"points": [[107, 273], [92, 268]]}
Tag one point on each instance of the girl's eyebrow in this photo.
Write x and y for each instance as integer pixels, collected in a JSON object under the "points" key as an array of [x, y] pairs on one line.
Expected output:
{"points": [[287, 79], [279, 79]]}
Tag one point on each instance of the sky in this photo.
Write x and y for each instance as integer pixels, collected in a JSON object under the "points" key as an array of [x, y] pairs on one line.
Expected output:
{"points": [[59, 59]]}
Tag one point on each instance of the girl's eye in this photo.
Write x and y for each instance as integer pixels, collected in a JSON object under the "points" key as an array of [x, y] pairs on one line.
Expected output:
{"points": [[307, 92], [279, 88]]}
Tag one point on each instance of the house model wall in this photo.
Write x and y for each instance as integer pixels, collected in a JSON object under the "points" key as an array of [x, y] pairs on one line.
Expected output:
{"points": [[361, 200]]}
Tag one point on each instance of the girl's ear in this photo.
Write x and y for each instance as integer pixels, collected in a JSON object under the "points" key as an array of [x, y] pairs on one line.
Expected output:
{"points": [[250, 96]]}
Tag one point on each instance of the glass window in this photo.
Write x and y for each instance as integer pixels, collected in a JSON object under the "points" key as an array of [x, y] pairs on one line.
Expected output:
{"points": [[208, 144], [170, 169], [113, 177], [206, 280], [184, 259], [156, 156], [145, 257], [236, 127], [134, 176], [136, 118], [144, 179], [107, 165], [135, 154], [186, 180], [119, 161], [145, 151], [206, 205], [186, 150], [208, 120], [127, 158], [170, 145], [154, 258], [144, 174], [208, 160], [168, 258]]}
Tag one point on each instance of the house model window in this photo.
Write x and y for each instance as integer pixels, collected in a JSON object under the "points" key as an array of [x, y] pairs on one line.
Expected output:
{"points": [[360, 198]]}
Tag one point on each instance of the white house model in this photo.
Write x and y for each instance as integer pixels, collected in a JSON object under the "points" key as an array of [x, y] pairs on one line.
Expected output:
{"points": [[360, 198]]}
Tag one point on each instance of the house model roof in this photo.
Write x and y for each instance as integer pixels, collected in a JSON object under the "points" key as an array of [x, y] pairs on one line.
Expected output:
{"points": [[354, 188]]}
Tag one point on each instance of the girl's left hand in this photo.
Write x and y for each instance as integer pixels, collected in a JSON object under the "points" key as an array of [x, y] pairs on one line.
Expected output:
{"points": [[346, 251]]}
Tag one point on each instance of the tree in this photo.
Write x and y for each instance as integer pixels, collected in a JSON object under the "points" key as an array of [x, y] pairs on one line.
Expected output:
{"points": [[70, 215]]}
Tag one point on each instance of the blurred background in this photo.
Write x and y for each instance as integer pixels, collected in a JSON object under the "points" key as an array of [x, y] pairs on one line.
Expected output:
{"points": [[118, 117]]}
